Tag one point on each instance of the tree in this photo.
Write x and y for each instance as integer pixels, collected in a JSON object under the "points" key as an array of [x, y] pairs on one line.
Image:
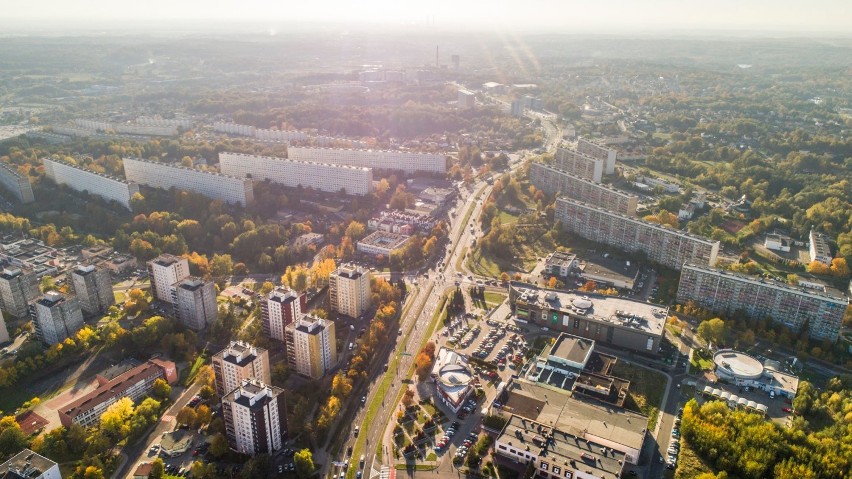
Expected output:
{"points": [[304, 463], [552, 282], [818, 267], [218, 445], [588, 286], [839, 268], [203, 414], [712, 330], [504, 277], [161, 389], [408, 398], [341, 386], [188, 416], [158, 469], [221, 265], [115, 420], [47, 283]]}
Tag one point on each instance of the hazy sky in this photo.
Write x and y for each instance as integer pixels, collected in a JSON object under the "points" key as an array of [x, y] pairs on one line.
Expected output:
{"points": [[609, 16]]}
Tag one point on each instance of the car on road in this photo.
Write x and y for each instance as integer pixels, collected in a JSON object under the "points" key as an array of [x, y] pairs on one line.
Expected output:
{"points": [[786, 409], [357, 428], [363, 399]]}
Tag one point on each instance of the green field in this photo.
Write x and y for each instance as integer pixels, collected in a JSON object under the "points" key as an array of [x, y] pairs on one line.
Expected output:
{"points": [[494, 299], [646, 389], [481, 265], [689, 465]]}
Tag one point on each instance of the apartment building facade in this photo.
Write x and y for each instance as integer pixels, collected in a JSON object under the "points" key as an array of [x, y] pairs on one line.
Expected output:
{"points": [[579, 164], [18, 286], [666, 246], [80, 179], [319, 176], [56, 317], [598, 151], [819, 248], [194, 302], [216, 186], [134, 384], [349, 290], [311, 346], [93, 287], [793, 306], [164, 271], [406, 161], [255, 418], [16, 183], [555, 181], [236, 363], [279, 308]]}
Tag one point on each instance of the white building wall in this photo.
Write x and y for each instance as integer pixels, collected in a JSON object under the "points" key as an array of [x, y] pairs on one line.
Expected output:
{"points": [[319, 176], [16, 183], [80, 179], [212, 185], [408, 162]]}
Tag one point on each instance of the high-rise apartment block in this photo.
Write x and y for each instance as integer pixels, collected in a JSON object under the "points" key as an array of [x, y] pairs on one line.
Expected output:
{"points": [[17, 288], [255, 417], [406, 161], [212, 185], [80, 179], [238, 362], [579, 164], [194, 302], [667, 246], [600, 152], [56, 317], [93, 287], [16, 183], [355, 180], [793, 306], [164, 271], [279, 308], [555, 181], [349, 290], [311, 348]]}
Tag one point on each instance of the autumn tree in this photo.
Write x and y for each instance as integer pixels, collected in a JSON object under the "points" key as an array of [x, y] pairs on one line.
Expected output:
{"points": [[712, 330], [839, 268], [304, 461], [818, 267], [188, 416], [424, 361], [161, 389], [341, 386], [115, 420]]}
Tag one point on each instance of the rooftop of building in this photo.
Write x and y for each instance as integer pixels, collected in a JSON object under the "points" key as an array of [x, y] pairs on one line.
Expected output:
{"points": [[9, 169], [98, 249], [179, 440], [384, 239], [282, 295], [551, 405], [310, 324], [11, 273], [115, 387], [186, 168], [367, 150], [610, 268], [829, 293], [303, 162], [51, 299], [191, 283], [25, 464], [31, 422], [559, 448], [641, 221], [252, 394], [239, 353], [349, 271], [572, 348], [165, 260], [560, 258], [84, 269], [626, 312], [117, 370]]}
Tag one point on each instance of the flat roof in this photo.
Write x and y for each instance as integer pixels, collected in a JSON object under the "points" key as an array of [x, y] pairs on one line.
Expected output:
{"points": [[610, 268], [551, 405], [165, 260], [572, 348], [626, 312], [239, 353], [738, 363], [384, 239], [25, 464]]}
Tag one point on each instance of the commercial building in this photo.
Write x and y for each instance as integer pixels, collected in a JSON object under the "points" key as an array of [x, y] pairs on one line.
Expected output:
{"points": [[15, 183], [56, 317], [600, 152], [561, 264], [93, 287], [164, 271], [614, 320], [319, 176], [406, 161], [194, 302], [664, 245], [819, 248], [740, 369], [652, 183], [80, 179], [236, 363], [586, 438], [311, 346], [793, 306], [212, 185], [255, 418], [279, 308], [29, 465], [134, 384], [467, 99], [609, 271], [555, 181], [453, 378], [777, 242], [18, 286], [119, 263], [381, 243], [349, 290], [579, 164]]}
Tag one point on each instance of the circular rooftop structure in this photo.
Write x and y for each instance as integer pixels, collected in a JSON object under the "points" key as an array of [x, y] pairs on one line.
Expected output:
{"points": [[737, 364], [454, 377], [582, 303]]}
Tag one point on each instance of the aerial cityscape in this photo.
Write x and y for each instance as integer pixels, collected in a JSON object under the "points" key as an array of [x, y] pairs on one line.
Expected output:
{"points": [[552, 240]]}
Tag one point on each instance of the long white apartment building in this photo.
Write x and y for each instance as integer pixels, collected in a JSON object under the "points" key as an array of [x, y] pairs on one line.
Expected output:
{"points": [[555, 181], [667, 246], [212, 185], [319, 176], [234, 128], [579, 164], [15, 183], [107, 187], [406, 161], [126, 128], [280, 135], [601, 152]]}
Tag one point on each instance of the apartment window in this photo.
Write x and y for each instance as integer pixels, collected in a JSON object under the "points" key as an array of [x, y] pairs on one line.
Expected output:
{"points": [[556, 470], [576, 323], [544, 466], [544, 315], [500, 446], [568, 474]]}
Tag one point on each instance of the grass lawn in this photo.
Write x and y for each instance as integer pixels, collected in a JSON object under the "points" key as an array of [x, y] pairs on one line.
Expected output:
{"points": [[494, 299], [430, 409], [119, 296], [689, 465], [431, 456], [193, 371], [507, 218], [700, 362], [482, 265], [646, 389]]}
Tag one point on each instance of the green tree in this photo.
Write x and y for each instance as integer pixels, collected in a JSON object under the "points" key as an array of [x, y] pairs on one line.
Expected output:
{"points": [[221, 265], [115, 421], [161, 390], [304, 463], [712, 330], [218, 445], [158, 469]]}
